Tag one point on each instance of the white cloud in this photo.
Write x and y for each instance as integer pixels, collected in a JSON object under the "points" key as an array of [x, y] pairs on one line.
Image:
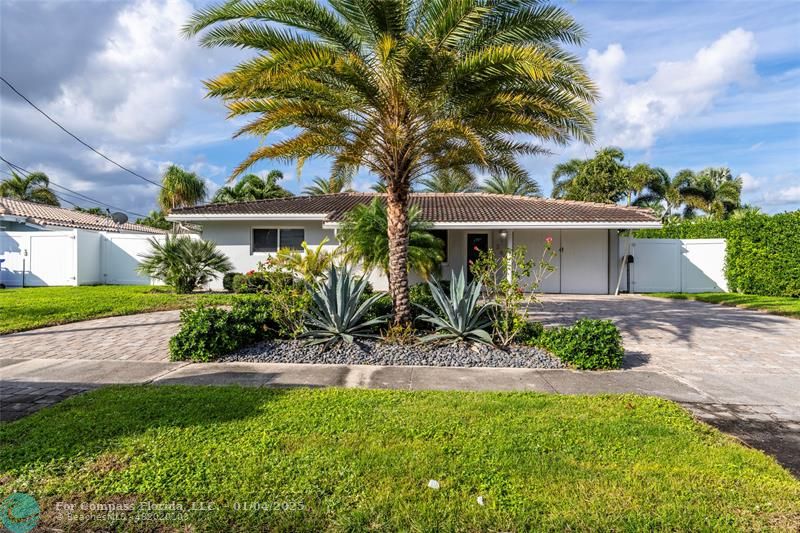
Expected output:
{"points": [[632, 115], [133, 88], [789, 195], [750, 183]]}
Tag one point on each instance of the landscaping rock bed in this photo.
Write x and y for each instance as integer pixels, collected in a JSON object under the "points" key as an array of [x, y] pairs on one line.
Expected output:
{"points": [[378, 353]]}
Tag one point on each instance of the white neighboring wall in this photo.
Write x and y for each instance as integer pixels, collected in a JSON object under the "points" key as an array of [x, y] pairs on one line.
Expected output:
{"points": [[72, 257], [675, 265]]}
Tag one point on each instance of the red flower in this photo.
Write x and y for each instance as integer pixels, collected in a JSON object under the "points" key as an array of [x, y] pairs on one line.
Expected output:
{"points": [[476, 248], [549, 240], [250, 273]]}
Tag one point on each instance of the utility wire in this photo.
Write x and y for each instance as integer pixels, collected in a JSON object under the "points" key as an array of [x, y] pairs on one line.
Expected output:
{"points": [[65, 130], [14, 166]]}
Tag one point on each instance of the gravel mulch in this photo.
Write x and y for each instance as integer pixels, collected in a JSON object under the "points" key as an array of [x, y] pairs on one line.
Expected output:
{"points": [[377, 353]]}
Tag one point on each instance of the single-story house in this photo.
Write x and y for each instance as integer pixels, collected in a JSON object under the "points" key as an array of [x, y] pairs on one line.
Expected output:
{"points": [[586, 235]]}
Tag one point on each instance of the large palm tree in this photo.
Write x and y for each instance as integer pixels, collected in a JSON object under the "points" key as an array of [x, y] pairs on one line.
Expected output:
{"points": [[35, 187], [514, 185], [404, 88], [253, 187], [180, 188], [365, 240], [716, 192], [449, 181], [665, 194]]}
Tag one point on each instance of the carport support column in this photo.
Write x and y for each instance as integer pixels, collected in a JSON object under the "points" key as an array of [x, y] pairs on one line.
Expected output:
{"points": [[509, 254]]}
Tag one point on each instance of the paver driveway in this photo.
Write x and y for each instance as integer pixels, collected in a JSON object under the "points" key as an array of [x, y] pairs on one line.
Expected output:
{"points": [[142, 337], [732, 355]]}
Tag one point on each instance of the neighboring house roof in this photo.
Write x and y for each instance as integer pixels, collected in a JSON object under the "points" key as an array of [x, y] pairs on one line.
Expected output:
{"points": [[441, 209], [48, 215]]}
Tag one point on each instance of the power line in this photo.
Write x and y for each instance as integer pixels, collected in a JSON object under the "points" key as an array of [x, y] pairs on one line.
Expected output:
{"points": [[65, 130], [75, 193]]}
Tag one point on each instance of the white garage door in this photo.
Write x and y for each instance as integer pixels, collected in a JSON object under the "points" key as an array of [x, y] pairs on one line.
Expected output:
{"points": [[584, 261]]}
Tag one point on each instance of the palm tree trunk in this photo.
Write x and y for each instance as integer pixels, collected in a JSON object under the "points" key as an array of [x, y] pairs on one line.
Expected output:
{"points": [[397, 218]]}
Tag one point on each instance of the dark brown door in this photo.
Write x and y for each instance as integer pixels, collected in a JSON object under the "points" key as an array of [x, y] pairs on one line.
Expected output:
{"points": [[476, 243]]}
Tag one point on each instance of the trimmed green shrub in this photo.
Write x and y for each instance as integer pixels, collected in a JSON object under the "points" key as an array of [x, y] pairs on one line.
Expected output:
{"points": [[587, 345], [228, 279], [762, 253], [208, 333], [205, 335]]}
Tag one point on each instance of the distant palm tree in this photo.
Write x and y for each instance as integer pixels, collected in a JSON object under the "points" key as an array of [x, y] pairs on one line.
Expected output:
{"points": [[180, 188], [155, 219], [450, 181], [331, 185], [668, 193], [253, 187], [99, 211], [602, 178], [35, 187], [715, 191], [365, 239], [514, 185], [403, 88], [746, 210]]}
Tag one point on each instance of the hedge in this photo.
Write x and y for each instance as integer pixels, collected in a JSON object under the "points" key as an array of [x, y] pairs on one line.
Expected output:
{"points": [[763, 251]]}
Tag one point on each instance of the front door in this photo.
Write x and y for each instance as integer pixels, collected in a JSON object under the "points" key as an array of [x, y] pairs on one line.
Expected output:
{"points": [[476, 243]]}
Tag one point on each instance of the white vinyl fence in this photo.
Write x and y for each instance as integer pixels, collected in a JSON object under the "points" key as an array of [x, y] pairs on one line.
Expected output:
{"points": [[675, 265], [72, 257]]}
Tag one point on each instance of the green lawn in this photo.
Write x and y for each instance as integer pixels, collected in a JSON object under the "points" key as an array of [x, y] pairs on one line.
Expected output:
{"points": [[350, 460], [777, 305], [29, 308]]}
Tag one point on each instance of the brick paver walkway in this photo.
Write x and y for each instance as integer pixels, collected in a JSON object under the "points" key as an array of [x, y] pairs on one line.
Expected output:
{"points": [[143, 337]]}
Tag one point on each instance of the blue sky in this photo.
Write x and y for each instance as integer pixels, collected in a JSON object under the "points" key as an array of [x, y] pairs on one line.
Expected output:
{"points": [[684, 85]]}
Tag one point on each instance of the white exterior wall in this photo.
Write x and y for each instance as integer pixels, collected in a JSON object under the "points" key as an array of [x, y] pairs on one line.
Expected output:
{"points": [[233, 238], [121, 254]]}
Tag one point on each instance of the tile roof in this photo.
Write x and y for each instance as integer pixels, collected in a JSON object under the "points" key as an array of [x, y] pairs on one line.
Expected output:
{"points": [[438, 208], [48, 215]]}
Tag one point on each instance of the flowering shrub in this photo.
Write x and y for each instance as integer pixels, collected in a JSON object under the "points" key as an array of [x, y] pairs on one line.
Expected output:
{"points": [[511, 281]]}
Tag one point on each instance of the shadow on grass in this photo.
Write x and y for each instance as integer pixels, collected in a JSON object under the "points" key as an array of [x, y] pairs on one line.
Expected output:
{"points": [[89, 423]]}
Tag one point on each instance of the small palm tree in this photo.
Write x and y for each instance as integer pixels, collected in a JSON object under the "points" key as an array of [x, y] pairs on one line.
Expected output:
{"points": [[253, 187], [35, 187], [364, 240], [403, 88], [184, 263], [450, 181], [512, 185], [332, 185], [180, 189]]}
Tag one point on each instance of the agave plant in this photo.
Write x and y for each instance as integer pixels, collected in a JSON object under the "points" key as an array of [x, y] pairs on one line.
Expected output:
{"points": [[337, 312], [460, 319]]}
